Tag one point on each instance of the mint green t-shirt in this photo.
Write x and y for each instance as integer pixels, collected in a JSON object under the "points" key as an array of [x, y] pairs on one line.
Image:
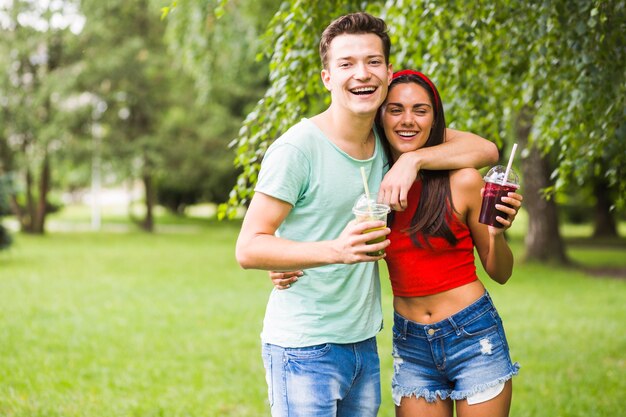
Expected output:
{"points": [[333, 303]]}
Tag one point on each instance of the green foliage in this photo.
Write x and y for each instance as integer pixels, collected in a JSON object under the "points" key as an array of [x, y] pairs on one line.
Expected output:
{"points": [[145, 112], [132, 81], [128, 76], [39, 64], [582, 99], [564, 60], [220, 50], [165, 10], [125, 97], [291, 46], [198, 167]]}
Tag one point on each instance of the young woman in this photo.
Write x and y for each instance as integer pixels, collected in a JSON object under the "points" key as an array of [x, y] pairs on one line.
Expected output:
{"points": [[449, 345]]}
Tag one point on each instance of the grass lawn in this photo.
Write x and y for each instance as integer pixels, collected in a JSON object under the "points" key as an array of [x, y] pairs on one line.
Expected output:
{"points": [[129, 324]]}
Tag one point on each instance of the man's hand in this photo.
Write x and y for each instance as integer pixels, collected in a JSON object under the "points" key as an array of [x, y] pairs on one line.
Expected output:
{"points": [[351, 246]]}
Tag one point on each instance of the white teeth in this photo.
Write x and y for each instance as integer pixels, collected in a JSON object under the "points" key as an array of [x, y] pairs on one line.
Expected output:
{"points": [[363, 90], [407, 133]]}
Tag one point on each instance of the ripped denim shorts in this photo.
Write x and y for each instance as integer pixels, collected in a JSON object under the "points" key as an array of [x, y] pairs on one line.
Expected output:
{"points": [[458, 357]]}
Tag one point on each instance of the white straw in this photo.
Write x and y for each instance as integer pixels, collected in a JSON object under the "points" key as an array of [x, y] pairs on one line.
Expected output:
{"points": [[508, 167], [367, 190]]}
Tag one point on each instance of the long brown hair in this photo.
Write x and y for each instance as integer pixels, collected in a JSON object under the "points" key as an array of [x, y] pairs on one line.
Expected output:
{"points": [[435, 208]]}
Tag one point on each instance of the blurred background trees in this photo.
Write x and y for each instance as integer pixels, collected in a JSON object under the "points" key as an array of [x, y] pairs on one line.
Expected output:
{"points": [[96, 94], [103, 91]]}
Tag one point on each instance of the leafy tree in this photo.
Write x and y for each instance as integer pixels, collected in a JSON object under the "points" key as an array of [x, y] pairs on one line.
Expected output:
{"points": [[129, 72], [38, 69], [217, 46], [118, 101], [547, 74], [537, 69], [198, 168]]}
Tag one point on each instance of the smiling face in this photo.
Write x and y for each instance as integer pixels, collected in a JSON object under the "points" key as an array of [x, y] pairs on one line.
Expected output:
{"points": [[357, 74], [407, 117]]}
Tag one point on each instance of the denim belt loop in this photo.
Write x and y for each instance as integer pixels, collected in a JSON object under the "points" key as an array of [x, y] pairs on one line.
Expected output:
{"points": [[456, 328], [488, 298], [405, 326]]}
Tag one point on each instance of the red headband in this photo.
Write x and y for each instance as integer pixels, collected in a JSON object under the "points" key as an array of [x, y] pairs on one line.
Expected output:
{"points": [[420, 75]]}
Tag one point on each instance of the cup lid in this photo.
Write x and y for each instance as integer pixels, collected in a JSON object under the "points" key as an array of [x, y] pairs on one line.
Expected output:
{"points": [[496, 174], [363, 205]]}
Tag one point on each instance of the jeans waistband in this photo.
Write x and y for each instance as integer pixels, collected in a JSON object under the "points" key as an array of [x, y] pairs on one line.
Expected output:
{"points": [[445, 326]]}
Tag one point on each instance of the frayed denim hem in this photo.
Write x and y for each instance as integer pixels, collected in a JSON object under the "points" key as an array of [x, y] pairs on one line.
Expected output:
{"points": [[398, 393], [461, 395], [431, 396]]}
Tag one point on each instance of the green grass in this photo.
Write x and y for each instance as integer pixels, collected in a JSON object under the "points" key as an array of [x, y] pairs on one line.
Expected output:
{"points": [[129, 324]]}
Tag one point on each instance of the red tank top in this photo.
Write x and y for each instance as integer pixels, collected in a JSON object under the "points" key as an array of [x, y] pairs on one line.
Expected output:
{"points": [[416, 272]]}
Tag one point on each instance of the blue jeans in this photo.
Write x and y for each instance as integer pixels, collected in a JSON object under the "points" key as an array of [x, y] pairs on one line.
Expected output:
{"points": [[329, 380], [458, 357]]}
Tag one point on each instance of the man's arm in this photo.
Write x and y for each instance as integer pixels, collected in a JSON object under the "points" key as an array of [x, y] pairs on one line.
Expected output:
{"points": [[460, 150], [258, 247]]}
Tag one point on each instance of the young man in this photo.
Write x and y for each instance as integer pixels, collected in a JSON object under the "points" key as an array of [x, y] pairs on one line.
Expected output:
{"points": [[319, 346]]}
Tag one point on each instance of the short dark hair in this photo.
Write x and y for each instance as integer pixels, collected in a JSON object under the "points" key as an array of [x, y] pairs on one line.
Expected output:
{"points": [[354, 23]]}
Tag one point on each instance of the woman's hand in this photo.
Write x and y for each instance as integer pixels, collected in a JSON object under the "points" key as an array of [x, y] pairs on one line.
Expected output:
{"points": [[512, 199], [283, 280]]}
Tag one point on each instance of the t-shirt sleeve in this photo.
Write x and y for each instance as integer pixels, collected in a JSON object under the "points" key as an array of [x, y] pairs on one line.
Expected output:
{"points": [[284, 173]]}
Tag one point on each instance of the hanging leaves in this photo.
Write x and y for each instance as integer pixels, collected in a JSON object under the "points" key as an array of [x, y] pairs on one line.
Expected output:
{"points": [[565, 60]]}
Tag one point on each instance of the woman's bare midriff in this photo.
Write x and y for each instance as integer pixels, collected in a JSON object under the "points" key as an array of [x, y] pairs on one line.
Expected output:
{"points": [[433, 308]]}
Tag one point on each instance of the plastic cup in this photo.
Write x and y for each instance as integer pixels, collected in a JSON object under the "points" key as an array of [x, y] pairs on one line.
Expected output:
{"points": [[496, 188], [369, 210]]}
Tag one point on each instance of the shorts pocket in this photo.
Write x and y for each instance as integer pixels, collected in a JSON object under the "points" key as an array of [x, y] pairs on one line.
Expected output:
{"points": [[309, 352], [482, 325], [396, 335]]}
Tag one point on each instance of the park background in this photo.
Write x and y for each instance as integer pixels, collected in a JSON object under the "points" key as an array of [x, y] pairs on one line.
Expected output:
{"points": [[130, 137]]}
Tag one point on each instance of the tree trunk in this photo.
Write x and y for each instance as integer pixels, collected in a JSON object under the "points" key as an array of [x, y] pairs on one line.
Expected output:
{"points": [[39, 223], [26, 220], [543, 240], [604, 220], [6, 155], [148, 223]]}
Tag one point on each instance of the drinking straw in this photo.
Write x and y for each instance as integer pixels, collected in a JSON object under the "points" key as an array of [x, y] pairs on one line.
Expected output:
{"points": [[367, 190], [508, 167]]}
